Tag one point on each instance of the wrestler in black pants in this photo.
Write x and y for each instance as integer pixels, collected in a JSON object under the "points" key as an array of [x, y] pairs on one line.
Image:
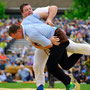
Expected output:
{"points": [[58, 55], [68, 62]]}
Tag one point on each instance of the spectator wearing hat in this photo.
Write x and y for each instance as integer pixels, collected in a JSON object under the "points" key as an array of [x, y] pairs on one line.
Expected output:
{"points": [[13, 57]]}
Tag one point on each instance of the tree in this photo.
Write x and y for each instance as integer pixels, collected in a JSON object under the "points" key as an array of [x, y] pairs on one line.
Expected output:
{"points": [[79, 9], [2, 10]]}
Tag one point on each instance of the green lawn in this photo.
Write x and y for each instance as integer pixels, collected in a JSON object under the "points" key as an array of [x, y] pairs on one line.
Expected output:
{"points": [[30, 85]]}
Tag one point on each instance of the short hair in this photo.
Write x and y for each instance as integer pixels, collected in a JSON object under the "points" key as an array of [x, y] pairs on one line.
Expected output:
{"points": [[13, 29], [21, 7]]}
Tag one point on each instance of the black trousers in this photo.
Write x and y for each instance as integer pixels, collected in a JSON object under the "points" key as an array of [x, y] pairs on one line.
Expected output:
{"points": [[58, 55], [68, 62]]}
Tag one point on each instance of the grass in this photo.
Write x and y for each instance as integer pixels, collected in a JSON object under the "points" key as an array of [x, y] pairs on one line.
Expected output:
{"points": [[30, 85], [84, 86], [27, 85]]}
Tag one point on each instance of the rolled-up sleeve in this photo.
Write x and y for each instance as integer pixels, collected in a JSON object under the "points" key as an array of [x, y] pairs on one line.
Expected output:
{"points": [[36, 16], [42, 9]]}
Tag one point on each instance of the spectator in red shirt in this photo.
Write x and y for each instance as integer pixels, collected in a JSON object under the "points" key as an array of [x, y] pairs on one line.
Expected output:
{"points": [[3, 56]]}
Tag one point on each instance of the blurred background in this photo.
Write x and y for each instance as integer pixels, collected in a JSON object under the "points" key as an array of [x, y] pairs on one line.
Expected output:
{"points": [[73, 18]]}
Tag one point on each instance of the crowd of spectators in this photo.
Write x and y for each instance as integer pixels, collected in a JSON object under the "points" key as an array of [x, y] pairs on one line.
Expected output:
{"points": [[76, 30]]}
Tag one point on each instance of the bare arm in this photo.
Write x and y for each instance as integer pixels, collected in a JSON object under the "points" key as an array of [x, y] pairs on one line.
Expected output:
{"points": [[41, 47], [48, 16], [36, 45], [54, 40], [43, 15], [51, 14], [52, 11]]}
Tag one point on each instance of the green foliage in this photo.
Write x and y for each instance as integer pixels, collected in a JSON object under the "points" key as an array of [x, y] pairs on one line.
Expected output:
{"points": [[2, 10], [79, 9], [87, 73]]}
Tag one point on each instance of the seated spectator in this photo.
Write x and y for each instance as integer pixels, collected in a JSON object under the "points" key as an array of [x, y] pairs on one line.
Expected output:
{"points": [[25, 58], [25, 74], [76, 73], [32, 48], [12, 63], [8, 63], [31, 56], [1, 23], [30, 63], [24, 51], [17, 62], [3, 44], [3, 56], [28, 50], [1, 49], [5, 77], [13, 56], [88, 80], [2, 76], [18, 51], [46, 77], [82, 76], [2, 65], [22, 62]]}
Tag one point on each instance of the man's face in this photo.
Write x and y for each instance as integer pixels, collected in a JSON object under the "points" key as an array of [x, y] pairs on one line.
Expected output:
{"points": [[27, 10], [22, 68], [17, 35]]}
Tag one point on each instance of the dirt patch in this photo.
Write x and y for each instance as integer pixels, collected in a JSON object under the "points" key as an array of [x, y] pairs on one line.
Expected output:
{"points": [[29, 89]]}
